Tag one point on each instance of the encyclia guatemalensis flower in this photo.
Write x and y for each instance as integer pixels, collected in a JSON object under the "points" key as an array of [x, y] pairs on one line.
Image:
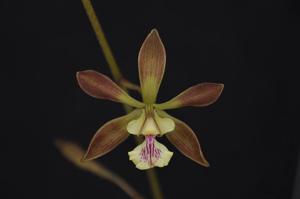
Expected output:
{"points": [[148, 118]]}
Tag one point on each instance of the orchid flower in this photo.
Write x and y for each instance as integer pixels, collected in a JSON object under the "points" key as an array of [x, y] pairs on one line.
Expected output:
{"points": [[149, 118]]}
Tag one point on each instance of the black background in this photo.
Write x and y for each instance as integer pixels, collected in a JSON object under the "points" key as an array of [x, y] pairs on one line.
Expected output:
{"points": [[247, 45]]}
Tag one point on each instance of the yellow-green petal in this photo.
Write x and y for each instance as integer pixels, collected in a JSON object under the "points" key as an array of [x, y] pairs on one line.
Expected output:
{"points": [[165, 124], [143, 125], [150, 127], [151, 62], [151, 124], [135, 126]]}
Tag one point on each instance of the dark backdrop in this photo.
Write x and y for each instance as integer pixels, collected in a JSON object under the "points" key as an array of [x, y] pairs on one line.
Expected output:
{"points": [[247, 45]]}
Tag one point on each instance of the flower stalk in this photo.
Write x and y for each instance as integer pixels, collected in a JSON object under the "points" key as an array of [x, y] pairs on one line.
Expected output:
{"points": [[115, 70], [118, 77], [74, 153]]}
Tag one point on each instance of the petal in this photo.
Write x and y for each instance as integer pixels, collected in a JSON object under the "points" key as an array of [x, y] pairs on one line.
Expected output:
{"points": [[150, 154], [165, 124], [135, 126], [151, 61], [166, 155], [109, 136], [202, 94], [102, 87], [150, 127], [185, 140]]}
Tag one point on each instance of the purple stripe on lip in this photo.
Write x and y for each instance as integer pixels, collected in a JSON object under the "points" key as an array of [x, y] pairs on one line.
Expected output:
{"points": [[150, 153]]}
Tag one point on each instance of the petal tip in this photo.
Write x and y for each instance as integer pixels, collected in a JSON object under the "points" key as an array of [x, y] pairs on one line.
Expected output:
{"points": [[203, 163], [220, 90], [87, 157], [199, 160], [221, 86], [78, 74], [84, 159], [81, 73], [154, 31], [154, 35], [90, 156]]}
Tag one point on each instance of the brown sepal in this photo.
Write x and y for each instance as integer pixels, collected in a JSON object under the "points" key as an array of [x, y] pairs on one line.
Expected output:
{"points": [[109, 136]]}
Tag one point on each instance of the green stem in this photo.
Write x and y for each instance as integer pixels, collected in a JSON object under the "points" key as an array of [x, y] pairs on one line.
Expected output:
{"points": [[117, 75], [154, 184]]}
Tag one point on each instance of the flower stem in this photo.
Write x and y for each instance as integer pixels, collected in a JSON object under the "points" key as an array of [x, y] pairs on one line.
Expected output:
{"points": [[117, 75], [154, 184], [74, 153]]}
